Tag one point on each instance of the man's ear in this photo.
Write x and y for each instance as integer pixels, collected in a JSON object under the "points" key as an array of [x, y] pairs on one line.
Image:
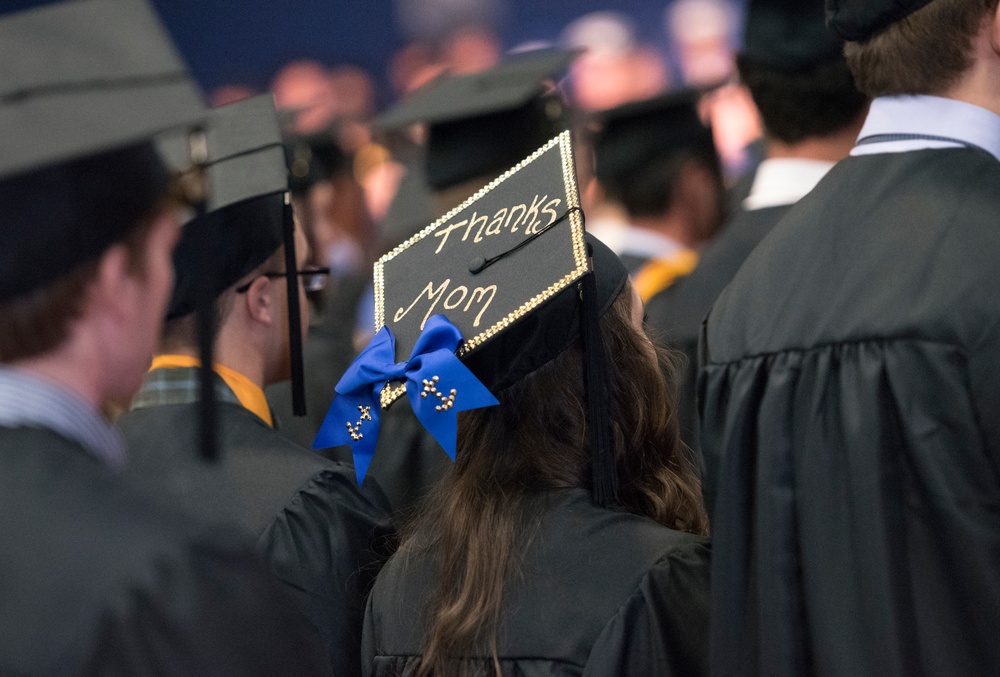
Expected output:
{"points": [[994, 30], [261, 300], [697, 193], [592, 193], [115, 283]]}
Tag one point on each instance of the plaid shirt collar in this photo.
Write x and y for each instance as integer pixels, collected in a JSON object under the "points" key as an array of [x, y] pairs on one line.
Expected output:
{"points": [[178, 386]]}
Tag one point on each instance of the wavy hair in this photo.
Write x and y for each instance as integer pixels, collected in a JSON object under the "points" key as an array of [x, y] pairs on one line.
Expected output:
{"points": [[476, 522]]}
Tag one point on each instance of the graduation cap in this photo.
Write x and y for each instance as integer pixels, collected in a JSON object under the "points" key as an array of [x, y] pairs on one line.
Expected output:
{"points": [[83, 86], [412, 207], [243, 223], [483, 123], [247, 218], [506, 282], [633, 135], [313, 158], [859, 20], [789, 35]]}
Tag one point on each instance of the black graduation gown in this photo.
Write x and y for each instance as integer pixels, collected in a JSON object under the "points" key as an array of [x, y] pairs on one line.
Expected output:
{"points": [[97, 579], [408, 462], [675, 314], [326, 356], [600, 593], [850, 428], [321, 535], [633, 262]]}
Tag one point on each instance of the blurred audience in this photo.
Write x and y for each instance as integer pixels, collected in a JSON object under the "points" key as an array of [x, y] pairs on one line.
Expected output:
{"points": [[304, 92], [613, 68], [703, 35]]}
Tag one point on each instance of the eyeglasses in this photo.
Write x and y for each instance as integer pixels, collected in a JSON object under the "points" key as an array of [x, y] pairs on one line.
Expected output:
{"points": [[313, 279]]}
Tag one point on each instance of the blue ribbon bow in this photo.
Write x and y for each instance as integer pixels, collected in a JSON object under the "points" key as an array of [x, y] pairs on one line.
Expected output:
{"points": [[437, 383]]}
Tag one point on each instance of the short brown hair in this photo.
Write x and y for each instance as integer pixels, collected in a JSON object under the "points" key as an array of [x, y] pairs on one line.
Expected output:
{"points": [[812, 102], [924, 53], [34, 323], [181, 333]]}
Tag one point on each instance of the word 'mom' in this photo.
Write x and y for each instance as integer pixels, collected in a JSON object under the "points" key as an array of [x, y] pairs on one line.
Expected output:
{"points": [[507, 218], [459, 298]]}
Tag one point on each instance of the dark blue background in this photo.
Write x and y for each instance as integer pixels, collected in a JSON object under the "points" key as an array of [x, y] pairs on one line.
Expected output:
{"points": [[246, 41]]}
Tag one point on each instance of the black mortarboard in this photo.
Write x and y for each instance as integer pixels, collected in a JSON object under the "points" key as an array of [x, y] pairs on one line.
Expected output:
{"points": [[635, 134], [83, 85], [248, 215], [859, 20], [311, 159], [511, 269], [412, 207], [483, 123], [788, 35], [244, 216]]}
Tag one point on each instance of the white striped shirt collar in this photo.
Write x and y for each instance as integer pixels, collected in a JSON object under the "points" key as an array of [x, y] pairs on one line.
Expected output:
{"points": [[949, 123], [27, 401]]}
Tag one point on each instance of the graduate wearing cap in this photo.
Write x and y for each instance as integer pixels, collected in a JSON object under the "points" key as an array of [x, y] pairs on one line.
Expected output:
{"points": [[849, 391], [480, 124], [566, 536], [315, 526], [477, 126], [656, 162], [99, 577], [812, 113]]}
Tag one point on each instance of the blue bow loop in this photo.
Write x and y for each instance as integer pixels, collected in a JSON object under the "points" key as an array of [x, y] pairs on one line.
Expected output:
{"points": [[437, 384]]}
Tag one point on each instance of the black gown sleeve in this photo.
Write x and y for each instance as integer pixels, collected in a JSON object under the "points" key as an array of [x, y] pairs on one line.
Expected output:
{"points": [[368, 641], [214, 610], [327, 545], [663, 628]]}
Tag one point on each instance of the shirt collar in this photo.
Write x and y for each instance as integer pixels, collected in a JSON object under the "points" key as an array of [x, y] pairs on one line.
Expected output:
{"points": [[647, 244], [249, 394], [611, 231], [784, 181], [28, 401], [929, 116]]}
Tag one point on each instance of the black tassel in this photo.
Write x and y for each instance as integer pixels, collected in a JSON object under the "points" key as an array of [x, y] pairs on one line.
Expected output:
{"points": [[605, 471], [294, 312], [205, 320], [204, 307]]}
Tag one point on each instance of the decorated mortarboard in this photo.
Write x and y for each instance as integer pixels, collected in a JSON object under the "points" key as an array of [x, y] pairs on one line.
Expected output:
{"points": [[634, 134], [482, 297], [248, 215], [482, 123], [83, 87], [788, 35], [859, 20]]}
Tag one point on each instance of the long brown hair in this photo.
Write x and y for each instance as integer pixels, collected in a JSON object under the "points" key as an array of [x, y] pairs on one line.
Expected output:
{"points": [[475, 522]]}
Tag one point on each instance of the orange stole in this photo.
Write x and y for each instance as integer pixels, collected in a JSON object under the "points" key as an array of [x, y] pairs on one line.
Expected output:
{"points": [[246, 391], [658, 274]]}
